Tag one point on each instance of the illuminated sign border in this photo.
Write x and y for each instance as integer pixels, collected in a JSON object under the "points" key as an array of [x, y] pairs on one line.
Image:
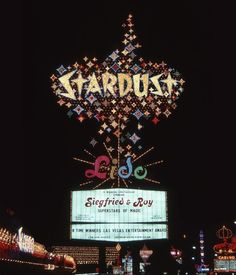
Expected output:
{"points": [[125, 223]]}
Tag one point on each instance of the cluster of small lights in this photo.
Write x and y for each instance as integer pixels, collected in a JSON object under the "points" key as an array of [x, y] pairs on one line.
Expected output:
{"points": [[202, 266], [111, 254], [6, 237], [176, 254], [81, 254], [202, 253], [10, 251]]}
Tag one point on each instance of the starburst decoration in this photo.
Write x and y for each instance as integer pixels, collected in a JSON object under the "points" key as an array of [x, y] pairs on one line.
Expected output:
{"points": [[112, 158]]}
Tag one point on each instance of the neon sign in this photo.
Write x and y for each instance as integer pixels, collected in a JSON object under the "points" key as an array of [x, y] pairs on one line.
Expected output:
{"points": [[124, 172], [25, 242], [226, 257], [117, 91], [123, 85], [120, 85], [116, 167]]}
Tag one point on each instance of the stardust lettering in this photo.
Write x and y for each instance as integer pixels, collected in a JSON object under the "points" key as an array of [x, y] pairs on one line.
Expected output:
{"points": [[120, 85]]}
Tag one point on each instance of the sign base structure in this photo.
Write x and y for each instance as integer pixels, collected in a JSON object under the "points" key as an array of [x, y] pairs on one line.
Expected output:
{"points": [[118, 215]]}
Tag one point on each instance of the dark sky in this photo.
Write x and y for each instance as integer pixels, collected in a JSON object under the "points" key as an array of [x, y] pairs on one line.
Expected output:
{"points": [[197, 142]]}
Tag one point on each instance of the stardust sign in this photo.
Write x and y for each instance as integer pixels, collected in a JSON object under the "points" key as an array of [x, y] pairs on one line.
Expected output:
{"points": [[118, 214], [124, 84]]}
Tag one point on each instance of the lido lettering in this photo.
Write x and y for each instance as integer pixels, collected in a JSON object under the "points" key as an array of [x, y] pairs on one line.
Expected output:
{"points": [[103, 169]]}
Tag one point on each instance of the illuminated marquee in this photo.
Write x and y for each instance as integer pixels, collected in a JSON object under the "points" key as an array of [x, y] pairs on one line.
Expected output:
{"points": [[118, 214], [100, 205]]}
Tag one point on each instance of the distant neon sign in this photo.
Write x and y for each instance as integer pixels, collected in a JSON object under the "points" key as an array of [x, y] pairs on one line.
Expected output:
{"points": [[25, 242]]}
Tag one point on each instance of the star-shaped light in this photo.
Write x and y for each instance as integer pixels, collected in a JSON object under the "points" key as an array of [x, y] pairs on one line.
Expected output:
{"points": [[79, 81], [169, 81]]}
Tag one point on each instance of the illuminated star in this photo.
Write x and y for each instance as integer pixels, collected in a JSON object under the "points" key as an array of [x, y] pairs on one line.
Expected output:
{"points": [[81, 118], [80, 82], [181, 81], [53, 77], [169, 81]]}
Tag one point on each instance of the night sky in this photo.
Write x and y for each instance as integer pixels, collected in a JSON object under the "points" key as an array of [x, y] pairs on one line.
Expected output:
{"points": [[197, 142]]}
